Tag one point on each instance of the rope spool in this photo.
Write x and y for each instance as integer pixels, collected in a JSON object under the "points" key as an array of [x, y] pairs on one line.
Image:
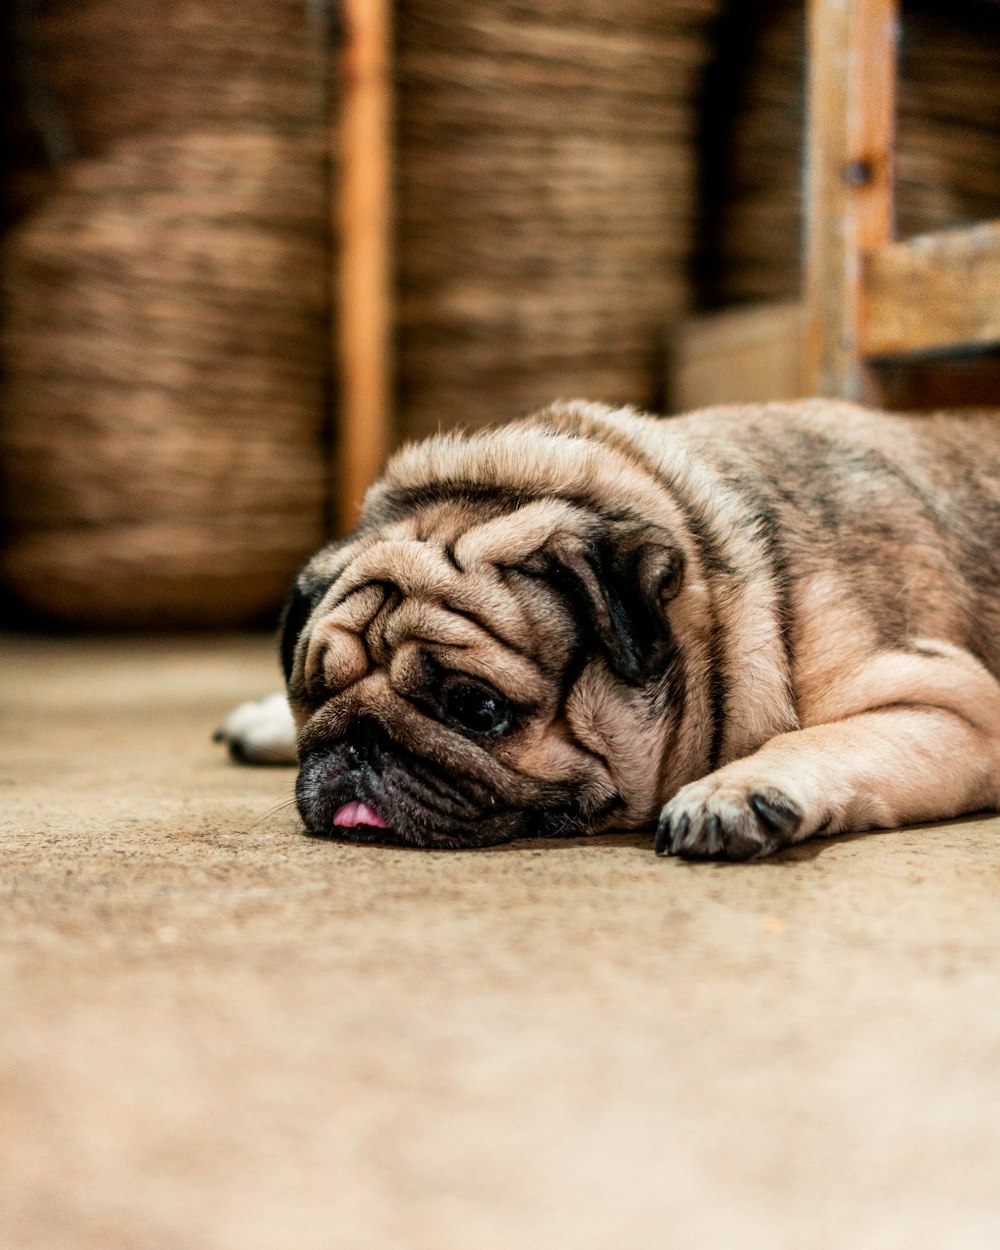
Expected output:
{"points": [[165, 337], [546, 175]]}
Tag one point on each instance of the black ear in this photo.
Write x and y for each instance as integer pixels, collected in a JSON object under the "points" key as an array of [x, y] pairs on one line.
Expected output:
{"points": [[621, 581], [308, 589], [302, 598]]}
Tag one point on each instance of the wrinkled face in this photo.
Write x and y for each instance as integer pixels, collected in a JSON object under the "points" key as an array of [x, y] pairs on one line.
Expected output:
{"points": [[461, 678]]}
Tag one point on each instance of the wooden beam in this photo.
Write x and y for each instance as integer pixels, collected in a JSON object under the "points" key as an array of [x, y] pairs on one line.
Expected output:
{"points": [[851, 109], [362, 228], [742, 354], [933, 293]]}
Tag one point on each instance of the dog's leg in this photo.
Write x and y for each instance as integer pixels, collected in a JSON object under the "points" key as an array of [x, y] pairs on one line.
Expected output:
{"points": [[260, 732], [927, 749]]}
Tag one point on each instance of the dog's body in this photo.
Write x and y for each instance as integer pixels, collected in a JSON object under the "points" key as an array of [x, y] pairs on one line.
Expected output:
{"points": [[749, 624]]}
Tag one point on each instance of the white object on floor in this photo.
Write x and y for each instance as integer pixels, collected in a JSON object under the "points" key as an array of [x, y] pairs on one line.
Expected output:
{"points": [[260, 731]]}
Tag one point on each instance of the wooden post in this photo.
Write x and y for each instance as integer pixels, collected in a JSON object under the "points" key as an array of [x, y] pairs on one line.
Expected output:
{"points": [[848, 184], [363, 230]]}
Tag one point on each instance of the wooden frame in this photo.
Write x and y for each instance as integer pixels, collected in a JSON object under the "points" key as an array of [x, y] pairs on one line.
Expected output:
{"points": [[865, 297]]}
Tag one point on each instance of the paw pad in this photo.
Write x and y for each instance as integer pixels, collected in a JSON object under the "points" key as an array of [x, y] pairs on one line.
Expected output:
{"points": [[704, 822]]}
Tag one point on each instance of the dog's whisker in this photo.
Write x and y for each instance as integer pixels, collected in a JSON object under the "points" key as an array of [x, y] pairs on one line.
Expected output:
{"points": [[270, 814]]}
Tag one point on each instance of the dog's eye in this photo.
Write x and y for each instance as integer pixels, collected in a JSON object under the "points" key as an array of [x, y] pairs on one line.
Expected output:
{"points": [[476, 709]]}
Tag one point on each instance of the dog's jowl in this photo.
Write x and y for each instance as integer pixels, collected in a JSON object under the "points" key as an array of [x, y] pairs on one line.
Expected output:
{"points": [[739, 628]]}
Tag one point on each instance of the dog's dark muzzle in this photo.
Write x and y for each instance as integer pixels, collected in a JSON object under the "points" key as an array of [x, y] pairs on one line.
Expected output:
{"points": [[367, 788]]}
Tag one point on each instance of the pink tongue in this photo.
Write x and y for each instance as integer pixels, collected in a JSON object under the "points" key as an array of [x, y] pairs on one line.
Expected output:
{"points": [[356, 813]]}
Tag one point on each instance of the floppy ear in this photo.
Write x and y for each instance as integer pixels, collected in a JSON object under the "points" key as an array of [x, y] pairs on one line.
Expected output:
{"points": [[302, 598], [621, 581], [308, 589], [297, 610]]}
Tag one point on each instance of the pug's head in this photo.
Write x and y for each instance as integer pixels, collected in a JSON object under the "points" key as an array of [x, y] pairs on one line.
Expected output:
{"points": [[489, 656]]}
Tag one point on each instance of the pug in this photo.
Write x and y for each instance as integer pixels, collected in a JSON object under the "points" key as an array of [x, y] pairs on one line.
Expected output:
{"points": [[741, 628]]}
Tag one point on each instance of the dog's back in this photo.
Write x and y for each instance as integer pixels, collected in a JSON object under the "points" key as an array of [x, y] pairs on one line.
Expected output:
{"points": [[902, 512]]}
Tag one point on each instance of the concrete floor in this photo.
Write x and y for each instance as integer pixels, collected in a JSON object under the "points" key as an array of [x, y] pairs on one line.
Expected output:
{"points": [[218, 1034]]}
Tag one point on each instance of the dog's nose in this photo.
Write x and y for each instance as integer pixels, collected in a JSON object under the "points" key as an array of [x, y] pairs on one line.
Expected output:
{"points": [[364, 741]]}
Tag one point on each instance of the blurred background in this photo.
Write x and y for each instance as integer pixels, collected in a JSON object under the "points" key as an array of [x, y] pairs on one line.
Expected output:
{"points": [[567, 189]]}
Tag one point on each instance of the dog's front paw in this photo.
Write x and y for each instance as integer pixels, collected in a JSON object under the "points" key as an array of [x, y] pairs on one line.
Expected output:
{"points": [[260, 732], [710, 819]]}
